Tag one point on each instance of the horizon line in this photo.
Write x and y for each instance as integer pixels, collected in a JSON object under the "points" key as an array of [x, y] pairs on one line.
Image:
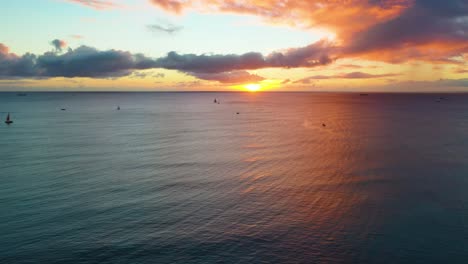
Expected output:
{"points": [[258, 92]]}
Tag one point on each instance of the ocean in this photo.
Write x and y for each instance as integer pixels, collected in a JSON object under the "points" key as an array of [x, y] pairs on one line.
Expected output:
{"points": [[258, 178]]}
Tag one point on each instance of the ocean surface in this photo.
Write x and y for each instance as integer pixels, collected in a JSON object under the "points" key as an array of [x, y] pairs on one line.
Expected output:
{"points": [[175, 178]]}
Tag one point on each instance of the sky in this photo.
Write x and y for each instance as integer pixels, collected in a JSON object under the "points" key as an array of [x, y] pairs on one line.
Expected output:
{"points": [[232, 45]]}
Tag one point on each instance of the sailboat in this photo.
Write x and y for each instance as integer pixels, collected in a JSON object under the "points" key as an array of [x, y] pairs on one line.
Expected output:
{"points": [[8, 121]]}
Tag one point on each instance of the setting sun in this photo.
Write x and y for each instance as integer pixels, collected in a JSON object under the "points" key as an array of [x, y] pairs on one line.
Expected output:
{"points": [[253, 87]]}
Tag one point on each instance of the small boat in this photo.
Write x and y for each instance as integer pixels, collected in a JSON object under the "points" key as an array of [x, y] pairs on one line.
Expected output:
{"points": [[8, 121], [323, 124], [215, 101], [118, 107], [237, 113], [63, 109]]}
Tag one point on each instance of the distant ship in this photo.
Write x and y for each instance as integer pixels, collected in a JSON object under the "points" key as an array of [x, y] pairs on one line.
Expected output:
{"points": [[8, 121], [21, 94]]}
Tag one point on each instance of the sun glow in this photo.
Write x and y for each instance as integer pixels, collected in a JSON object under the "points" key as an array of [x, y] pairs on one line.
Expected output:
{"points": [[253, 87], [262, 86]]}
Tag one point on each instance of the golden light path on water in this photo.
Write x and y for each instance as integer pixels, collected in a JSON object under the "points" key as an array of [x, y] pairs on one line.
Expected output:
{"points": [[260, 177]]}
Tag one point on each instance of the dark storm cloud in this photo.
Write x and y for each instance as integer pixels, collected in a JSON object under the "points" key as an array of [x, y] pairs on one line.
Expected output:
{"points": [[424, 22]]}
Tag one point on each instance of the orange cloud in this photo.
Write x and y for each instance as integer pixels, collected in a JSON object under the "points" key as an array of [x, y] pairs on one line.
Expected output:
{"points": [[335, 14], [387, 30], [175, 6], [4, 49], [58, 44], [96, 4]]}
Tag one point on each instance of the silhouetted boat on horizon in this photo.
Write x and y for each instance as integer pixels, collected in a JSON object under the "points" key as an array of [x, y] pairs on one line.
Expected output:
{"points": [[8, 120]]}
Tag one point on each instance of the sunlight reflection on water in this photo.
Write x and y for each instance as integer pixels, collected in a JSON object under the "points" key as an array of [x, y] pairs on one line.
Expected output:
{"points": [[172, 177]]}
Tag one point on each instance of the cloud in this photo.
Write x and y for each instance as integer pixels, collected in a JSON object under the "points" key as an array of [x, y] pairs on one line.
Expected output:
{"points": [[393, 31], [315, 54], [96, 4], [229, 77], [428, 30], [90, 62], [14, 66], [461, 70], [15, 83], [337, 15], [75, 36], [453, 82], [143, 75], [81, 62], [385, 30], [165, 27], [362, 75], [185, 85], [349, 66], [138, 75], [351, 75], [86, 61], [4, 49], [58, 44], [175, 6]]}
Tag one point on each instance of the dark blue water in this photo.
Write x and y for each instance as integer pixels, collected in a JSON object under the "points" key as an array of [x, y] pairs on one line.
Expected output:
{"points": [[174, 178]]}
